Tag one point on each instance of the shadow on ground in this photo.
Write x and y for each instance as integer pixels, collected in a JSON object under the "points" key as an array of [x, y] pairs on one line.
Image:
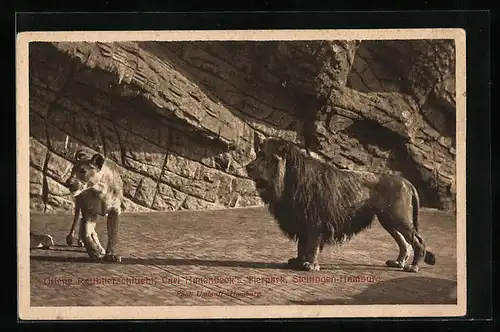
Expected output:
{"points": [[239, 243], [194, 262], [165, 261], [408, 290]]}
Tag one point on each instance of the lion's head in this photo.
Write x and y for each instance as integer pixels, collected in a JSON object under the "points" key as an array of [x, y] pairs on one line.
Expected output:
{"points": [[267, 170]]}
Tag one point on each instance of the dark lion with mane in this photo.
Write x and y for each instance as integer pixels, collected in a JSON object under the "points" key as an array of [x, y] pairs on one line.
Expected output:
{"points": [[317, 204]]}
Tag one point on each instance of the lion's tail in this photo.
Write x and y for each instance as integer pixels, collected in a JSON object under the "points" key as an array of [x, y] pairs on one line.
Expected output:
{"points": [[415, 202], [429, 257]]}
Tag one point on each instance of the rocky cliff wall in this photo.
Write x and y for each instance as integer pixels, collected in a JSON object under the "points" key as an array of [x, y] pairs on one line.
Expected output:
{"points": [[180, 119]]}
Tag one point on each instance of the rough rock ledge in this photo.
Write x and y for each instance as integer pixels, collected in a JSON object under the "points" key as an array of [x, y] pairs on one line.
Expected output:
{"points": [[180, 119]]}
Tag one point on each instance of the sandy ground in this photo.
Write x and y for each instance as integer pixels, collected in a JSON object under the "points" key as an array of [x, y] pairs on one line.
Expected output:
{"points": [[234, 257]]}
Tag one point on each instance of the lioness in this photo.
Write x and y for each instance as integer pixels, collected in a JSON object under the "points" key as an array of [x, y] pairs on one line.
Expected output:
{"points": [[98, 190]]}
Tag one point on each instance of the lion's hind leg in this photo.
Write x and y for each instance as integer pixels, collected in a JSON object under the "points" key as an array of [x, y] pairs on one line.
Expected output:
{"points": [[403, 245], [420, 253], [418, 245], [404, 253]]}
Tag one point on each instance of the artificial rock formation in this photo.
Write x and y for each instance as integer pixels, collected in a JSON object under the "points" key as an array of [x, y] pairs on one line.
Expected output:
{"points": [[181, 119]]}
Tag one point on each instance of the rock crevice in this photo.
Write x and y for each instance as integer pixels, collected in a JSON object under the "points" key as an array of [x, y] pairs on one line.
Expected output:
{"points": [[181, 119]]}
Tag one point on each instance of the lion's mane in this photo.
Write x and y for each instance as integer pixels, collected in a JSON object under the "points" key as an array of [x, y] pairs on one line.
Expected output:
{"points": [[309, 192]]}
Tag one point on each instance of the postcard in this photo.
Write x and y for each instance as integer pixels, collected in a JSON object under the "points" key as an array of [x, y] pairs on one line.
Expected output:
{"points": [[241, 174]]}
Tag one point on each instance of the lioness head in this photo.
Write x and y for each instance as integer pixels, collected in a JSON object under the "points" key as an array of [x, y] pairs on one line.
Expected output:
{"points": [[268, 168], [85, 172]]}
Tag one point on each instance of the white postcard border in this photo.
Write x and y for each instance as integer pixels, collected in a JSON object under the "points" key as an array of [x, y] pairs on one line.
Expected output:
{"points": [[26, 312]]}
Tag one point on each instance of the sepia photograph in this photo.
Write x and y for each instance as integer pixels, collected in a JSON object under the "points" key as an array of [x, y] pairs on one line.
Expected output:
{"points": [[233, 174]]}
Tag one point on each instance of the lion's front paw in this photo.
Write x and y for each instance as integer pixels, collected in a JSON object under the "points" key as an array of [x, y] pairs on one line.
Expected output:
{"points": [[411, 268], [393, 263], [307, 266], [112, 258], [295, 263]]}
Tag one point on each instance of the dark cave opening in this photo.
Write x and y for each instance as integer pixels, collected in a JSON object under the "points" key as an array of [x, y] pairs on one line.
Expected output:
{"points": [[370, 133]]}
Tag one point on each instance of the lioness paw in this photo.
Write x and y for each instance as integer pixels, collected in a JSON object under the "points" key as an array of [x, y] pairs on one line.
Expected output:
{"points": [[95, 256], [93, 249], [112, 258], [69, 239]]}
